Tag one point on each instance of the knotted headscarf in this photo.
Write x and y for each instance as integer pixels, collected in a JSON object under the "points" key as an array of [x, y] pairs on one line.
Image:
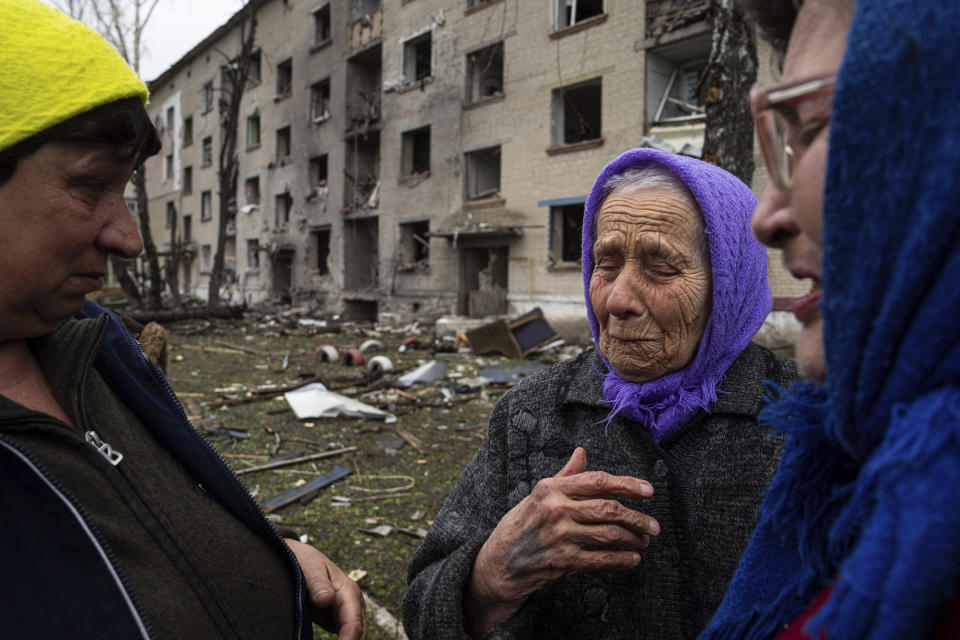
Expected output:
{"points": [[53, 68], [741, 297], [865, 498]]}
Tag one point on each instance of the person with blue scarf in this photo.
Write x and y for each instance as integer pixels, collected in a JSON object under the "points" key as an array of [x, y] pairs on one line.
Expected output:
{"points": [[661, 415], [859, 535]]}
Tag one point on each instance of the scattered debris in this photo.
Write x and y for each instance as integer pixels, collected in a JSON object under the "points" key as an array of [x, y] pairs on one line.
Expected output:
{"points": [[416, 532], [471, 427], [514, 339], [428, 372], [414, 442], [285, 463], [382, 530], [305, 492], [314, 401], [384, 619], [223, 431], [357, 575]]}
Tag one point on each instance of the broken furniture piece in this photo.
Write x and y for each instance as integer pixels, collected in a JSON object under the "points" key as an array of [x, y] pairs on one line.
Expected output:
{"points": [[515, 338]]}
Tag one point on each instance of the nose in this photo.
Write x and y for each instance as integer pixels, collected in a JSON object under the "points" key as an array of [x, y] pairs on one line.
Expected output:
{"points": [[623, 299], [772, 221], [119, 235]]}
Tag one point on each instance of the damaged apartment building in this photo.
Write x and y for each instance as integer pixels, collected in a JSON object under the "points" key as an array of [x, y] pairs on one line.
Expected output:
{"points": [[419, 156]]}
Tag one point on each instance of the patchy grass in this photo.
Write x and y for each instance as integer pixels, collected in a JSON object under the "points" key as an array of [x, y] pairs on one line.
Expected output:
{"points": [[200, 363]]}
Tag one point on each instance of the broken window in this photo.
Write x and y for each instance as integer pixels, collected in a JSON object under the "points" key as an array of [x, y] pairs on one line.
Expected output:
{"points": [[253, 131], [363, 8], [416, 152], [207, 151], [283, 203], [418, 58], [485, 73], [187, 229], [674, 91], [321, 250], [361, 242], [206, 205], [205, 256], [188, 131], [566, 223], [251, 190], [576, 113], [570, 12], [253, 253], [254, 70], [283, 143], [321, 25], [361, 185], [414, 246], [168, 166], [483, 173], [285, 77], [318, 171], [320, 100], [363, 86], [170, 119], [206, 97], [187, 180], [171, 214]]}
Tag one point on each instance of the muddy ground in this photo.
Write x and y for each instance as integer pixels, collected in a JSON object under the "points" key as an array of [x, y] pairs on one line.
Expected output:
{"points": [[394, 481]]}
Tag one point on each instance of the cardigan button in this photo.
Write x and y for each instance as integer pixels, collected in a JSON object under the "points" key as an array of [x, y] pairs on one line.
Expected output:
{"points": [[660, 469]]}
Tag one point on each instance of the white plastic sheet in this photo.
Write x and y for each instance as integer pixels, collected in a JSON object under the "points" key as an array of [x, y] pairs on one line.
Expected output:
{"points": [[314, 401]]}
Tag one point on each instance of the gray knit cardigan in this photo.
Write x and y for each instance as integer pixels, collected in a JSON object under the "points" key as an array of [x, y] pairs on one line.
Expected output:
{"points": [[708, 479]]}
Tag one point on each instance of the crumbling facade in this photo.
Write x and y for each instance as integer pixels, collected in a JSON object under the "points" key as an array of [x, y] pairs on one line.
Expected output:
{"points": [[420, 156]]}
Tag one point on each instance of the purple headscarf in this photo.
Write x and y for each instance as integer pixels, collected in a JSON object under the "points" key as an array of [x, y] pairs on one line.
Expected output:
{"points": [[741, 296]]}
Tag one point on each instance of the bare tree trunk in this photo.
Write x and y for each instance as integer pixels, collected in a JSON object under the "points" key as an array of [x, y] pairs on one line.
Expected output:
{"points": [[234, 78], [121, 268], [172, 266], [153, 263], [729, 74], [113, 20]]}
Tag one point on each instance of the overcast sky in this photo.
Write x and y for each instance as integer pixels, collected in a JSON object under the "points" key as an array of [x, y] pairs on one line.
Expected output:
{"points": [[175, 27]]}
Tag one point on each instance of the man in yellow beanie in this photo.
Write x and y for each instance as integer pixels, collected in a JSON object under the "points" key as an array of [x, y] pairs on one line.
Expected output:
{"points": [[119, 520]]}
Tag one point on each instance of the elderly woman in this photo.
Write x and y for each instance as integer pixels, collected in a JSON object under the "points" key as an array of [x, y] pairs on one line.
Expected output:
{"points": [[119, 520], [858, 537], [530, 544]]}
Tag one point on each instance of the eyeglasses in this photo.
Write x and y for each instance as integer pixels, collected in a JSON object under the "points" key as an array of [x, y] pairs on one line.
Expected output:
{"points": [[773, 118]]}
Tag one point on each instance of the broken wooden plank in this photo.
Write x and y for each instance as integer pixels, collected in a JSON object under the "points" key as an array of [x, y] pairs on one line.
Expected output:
{"points": [[412, 440], [306, 490], [253, 352], [285, 463]]}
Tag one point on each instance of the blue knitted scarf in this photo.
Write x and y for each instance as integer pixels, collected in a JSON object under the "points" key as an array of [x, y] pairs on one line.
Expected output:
{"points": [[865, 497], [741, 296]]}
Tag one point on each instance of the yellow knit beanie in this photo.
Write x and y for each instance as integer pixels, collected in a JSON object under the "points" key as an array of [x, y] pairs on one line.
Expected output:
{"points": [[53, 68]]}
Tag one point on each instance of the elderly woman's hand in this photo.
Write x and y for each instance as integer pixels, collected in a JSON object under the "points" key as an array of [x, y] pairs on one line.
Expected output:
{"points": [[563, 527]]}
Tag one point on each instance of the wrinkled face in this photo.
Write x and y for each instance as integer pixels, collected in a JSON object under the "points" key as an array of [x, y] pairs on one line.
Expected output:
{"points": [[651, 283], [62, 213], [793, 222]]}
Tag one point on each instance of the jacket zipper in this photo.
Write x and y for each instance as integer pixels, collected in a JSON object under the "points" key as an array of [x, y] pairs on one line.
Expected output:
{"points": [[93, 534], [269, 529]]}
